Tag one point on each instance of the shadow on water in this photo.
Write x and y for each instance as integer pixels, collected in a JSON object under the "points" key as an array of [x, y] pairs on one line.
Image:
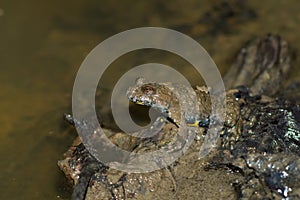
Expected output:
{"points": [[44, 43]]}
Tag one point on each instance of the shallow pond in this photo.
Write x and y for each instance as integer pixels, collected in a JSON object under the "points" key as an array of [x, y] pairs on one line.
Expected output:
{"points": [[42, 45]]}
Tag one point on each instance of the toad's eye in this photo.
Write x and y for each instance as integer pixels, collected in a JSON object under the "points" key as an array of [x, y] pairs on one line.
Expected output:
{"points": [[147, 89]]}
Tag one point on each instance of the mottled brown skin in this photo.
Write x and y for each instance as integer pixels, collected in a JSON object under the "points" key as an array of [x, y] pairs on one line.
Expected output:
{"points": [[160, 96]]}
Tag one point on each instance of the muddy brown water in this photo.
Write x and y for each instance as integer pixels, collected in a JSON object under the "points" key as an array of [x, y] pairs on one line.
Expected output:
{"points": [[42, 44]]}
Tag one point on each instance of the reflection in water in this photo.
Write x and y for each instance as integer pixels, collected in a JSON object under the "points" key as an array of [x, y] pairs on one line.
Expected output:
{"points": [[1, 12], [43, 45]]}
